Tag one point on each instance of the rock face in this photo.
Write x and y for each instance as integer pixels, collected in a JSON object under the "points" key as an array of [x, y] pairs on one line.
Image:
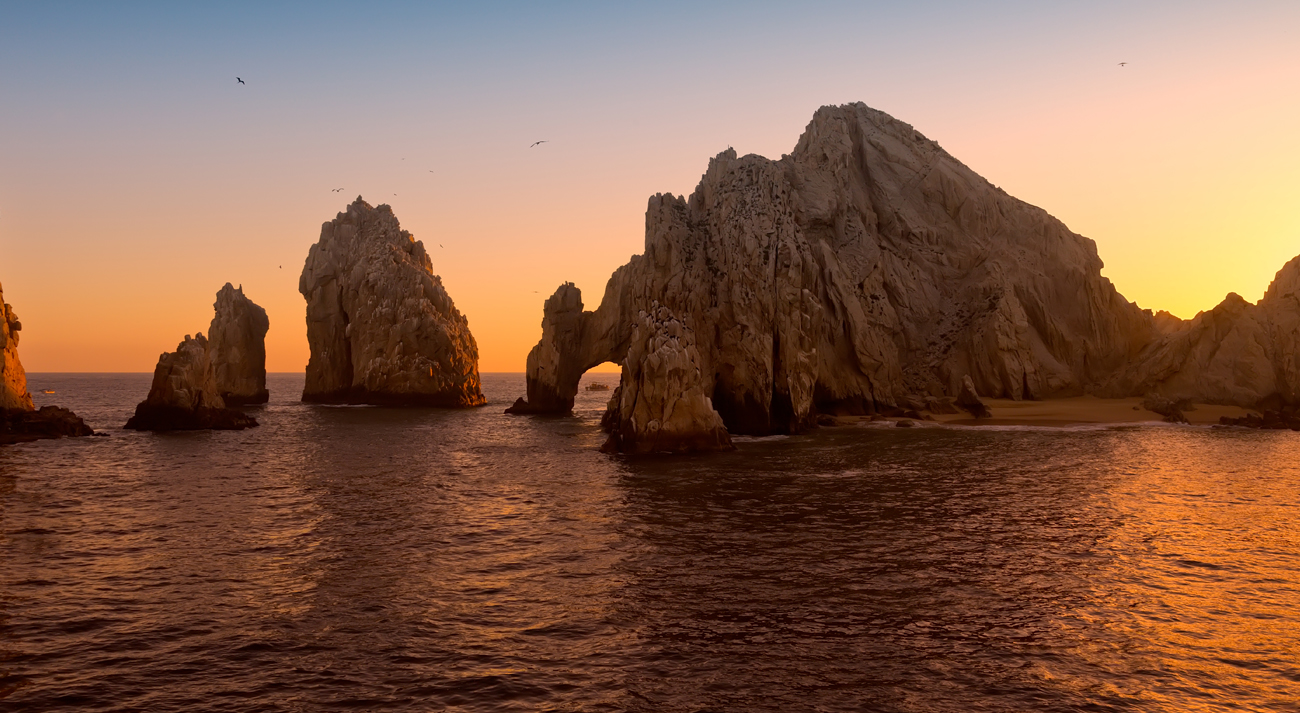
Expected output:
{"points": [[380, 326], [13, 380], [662, 405], [19, 421], [184, 394], [969, 399], [1238, 353], [237, 338], [866, 267]]}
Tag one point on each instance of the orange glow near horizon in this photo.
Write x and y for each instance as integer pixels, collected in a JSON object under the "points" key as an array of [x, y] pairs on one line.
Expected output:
{"points": [[124, 208]]}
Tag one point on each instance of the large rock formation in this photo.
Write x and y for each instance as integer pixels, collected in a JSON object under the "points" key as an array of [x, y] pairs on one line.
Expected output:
{"points": [[184, 394], [19, 420], [1238, 353], [380, 325], [13, 380], [661, 405], [237, 338], [866, 267]]}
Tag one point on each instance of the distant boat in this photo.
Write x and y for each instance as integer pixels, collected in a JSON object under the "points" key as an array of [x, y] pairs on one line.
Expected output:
{"points": [[597, 386], [47, 391]]}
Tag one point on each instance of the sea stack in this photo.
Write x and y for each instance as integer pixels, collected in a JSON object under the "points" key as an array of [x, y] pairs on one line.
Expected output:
{"points": [[19, 419], [380, 325], [237, 338], [184, 394], [867, 269]]}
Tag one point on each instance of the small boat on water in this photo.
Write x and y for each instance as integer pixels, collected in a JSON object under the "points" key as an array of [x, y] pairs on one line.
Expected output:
{"points": [[47, 391], [597, 386]]}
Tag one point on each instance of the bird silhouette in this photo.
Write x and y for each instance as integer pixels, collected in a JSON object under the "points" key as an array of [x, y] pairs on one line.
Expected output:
{"points": [[1122, 63], [237, 79], [538, 142]]}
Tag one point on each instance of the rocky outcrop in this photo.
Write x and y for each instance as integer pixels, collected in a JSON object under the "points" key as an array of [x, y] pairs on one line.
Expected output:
{"points": [[237, 338], [13, 380], [969, 399], [22, 425], [866, 267], [380, 326], [1238, 353], [184, 394], [661, 405], [19, 419]]}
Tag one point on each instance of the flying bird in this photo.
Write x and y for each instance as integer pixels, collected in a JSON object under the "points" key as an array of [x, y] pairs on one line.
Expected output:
{"points": [[237, 79], [538, 142], [1122, 63]]}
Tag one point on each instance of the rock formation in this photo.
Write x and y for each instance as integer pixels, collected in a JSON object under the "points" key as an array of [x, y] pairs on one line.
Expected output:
{"points": [[237, 338], [380, 326], [1238, 353], [661, 404], [13, 380], [969, 399], [19, 419], [184, 394], [866, 267]]}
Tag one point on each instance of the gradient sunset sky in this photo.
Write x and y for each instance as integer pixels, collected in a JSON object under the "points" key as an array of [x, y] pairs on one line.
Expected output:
{"points": [[137, 176]]}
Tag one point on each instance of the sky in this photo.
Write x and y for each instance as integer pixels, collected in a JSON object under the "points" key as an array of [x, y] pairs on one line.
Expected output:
{"points": [[137, 176]]}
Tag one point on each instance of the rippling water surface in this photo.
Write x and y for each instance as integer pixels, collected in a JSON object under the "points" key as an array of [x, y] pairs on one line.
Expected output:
{"points": [[410, 559]]}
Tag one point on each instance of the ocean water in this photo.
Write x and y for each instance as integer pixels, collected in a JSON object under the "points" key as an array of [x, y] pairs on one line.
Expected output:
{"points": [[419, 559]]}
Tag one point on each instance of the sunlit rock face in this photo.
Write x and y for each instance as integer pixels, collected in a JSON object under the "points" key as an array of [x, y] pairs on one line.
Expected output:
{"points": [[380, 326], [866, 267], [662, 403], [184, 394], [13, 380], [1238, 353], [237, 338]]}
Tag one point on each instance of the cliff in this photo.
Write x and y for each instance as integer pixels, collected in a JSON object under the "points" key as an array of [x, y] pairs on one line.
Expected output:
{"points": [[237, 338], [19, 421], [380, 325], [13, 380], [1238, 353], [867, 267]]}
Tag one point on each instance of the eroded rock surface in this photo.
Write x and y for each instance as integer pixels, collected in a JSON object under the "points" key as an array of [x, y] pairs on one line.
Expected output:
{"points": [[237, 339], [13, 380], [1238, 353], [184, 394], [969, 399], [380, 326], [867, 266], [661, 405], [19, 420]]}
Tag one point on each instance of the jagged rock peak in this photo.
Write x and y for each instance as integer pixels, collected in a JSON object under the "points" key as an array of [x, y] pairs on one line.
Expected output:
{"points": [[184, 394], [866, 267], [13, 380], [380, 325], [237, 338]]}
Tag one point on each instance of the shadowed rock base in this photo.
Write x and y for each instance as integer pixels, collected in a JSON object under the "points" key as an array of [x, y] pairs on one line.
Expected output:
{"points": [[149, 417], [21, 425], [451, 399], [1270, 420]]}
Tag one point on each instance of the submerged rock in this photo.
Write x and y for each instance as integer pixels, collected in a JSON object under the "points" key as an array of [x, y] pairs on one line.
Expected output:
{"points": [[19, 419], [380, 326], [661, 403], [237, 338], [21, 425], [184, 394]]}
